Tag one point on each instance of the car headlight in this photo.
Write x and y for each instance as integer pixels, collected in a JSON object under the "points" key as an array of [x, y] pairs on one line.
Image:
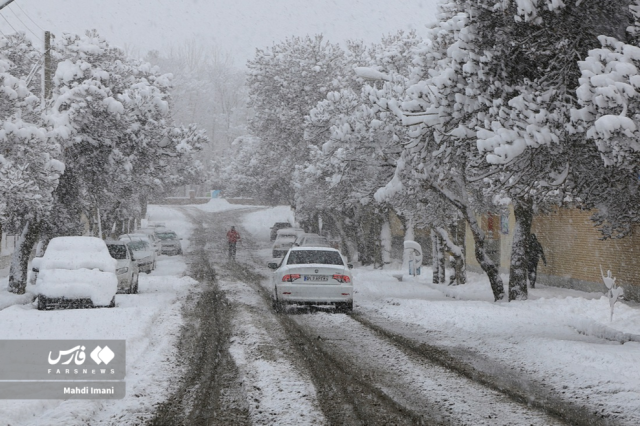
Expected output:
{"points": [[122, 270]]}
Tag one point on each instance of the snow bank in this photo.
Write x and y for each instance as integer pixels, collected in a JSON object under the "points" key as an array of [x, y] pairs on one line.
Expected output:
{"points": [[258, 223], [218, 205]]}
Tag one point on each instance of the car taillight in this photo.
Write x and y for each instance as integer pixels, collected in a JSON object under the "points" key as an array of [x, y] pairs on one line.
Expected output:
{"points": [[342, 278], [291, 278]]}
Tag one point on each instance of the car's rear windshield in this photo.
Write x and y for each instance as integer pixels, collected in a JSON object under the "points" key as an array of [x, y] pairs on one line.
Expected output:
{"points": [[323, 257], [287, 237], [138, 245], [167, 236], [117, 251]]}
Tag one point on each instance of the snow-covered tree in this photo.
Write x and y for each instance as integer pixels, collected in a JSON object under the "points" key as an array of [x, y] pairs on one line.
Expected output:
{"points": [[29, 168], [285, 82], [114, 116]]}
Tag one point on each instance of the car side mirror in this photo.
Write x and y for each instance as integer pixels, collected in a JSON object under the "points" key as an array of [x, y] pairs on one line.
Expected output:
{"points": [[272, 265], [35, 269], [349, 265]]}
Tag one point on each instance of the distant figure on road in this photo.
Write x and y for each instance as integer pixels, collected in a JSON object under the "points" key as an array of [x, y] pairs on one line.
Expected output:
{"points": [[534, 252], [233, 237]]}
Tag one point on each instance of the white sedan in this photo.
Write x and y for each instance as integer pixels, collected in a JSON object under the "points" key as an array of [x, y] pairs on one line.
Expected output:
{"points": [[312, 276]]}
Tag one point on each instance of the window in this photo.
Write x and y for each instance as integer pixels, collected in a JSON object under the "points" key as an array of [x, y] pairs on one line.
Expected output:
{"points": [[138, 245], [167, 236], [301, 257], [117, 251]]}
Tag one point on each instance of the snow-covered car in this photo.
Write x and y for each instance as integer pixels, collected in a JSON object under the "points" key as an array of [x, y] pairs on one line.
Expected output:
{"points": [[151, 233], [127, 269], [142, 249], [284, 241], [311, 240], [170, 243], [312, 276], [76, 272], [276, 227]]}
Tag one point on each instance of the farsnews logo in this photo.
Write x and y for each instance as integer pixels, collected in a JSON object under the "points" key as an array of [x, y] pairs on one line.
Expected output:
{"points": [[102, 355], [76, 354]]}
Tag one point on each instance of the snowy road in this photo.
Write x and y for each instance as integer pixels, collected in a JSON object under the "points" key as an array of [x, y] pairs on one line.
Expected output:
{"points": [[204, 347], [249, 365]]}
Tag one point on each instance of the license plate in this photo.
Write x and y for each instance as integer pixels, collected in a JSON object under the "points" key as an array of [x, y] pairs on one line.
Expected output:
{"points": [[316, 278]]}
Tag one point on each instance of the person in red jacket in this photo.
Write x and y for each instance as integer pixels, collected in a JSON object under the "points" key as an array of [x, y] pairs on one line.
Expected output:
{"points": [[232, 237]]}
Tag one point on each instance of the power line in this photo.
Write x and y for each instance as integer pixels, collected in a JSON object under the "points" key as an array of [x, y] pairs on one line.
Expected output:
{"points": [[18, 18], [8, 22], [25, 13]]}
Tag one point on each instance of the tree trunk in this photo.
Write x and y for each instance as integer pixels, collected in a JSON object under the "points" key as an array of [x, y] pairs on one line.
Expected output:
{"points": [[487, 265], [144, 203], [20, 260], [385, 242], [438, 257], [442, 261], [461, 261], [523, 211]]}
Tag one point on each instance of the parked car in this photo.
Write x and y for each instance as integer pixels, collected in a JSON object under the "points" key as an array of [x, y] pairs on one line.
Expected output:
{"points": [[170, 243], [311, 240], [276, 227], [284, 241], [151, 233], [127, 269], [143, 251], [75, 272], [312, 276]]}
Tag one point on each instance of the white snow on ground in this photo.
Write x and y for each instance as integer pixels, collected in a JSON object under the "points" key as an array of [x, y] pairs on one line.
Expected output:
{"points": [[218, 205], [149, 321], [561, 336], [258, 223], [278, 393]]}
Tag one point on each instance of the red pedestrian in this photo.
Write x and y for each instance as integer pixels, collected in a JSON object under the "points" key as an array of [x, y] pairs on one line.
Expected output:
{"points": [[232, 237]]}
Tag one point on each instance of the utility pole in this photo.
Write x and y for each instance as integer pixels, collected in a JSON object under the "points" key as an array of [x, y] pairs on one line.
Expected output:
{"points": [[47, 65]]}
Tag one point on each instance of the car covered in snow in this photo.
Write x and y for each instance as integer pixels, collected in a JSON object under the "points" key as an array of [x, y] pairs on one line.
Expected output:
{"points": [[127, 268], [75, 272], [285, 238], [276, 227], [312, 276], [169, 241], [151, 233], [143, 252]]}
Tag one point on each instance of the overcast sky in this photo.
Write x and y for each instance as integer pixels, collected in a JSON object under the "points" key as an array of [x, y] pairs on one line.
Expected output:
{"points": [[238, 26]]}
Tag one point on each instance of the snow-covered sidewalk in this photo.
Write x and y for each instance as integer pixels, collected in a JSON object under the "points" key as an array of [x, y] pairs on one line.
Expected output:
{"points": [[149, 321], [562, 338]]}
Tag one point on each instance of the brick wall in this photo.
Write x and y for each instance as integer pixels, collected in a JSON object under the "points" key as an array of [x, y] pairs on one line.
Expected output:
{"points": [[575, 252]]}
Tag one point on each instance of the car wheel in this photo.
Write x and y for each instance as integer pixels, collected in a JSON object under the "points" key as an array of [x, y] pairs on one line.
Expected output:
{"points": [[277, 306], [42, 302], [113, 302], [344, 307], [135, 286]]}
